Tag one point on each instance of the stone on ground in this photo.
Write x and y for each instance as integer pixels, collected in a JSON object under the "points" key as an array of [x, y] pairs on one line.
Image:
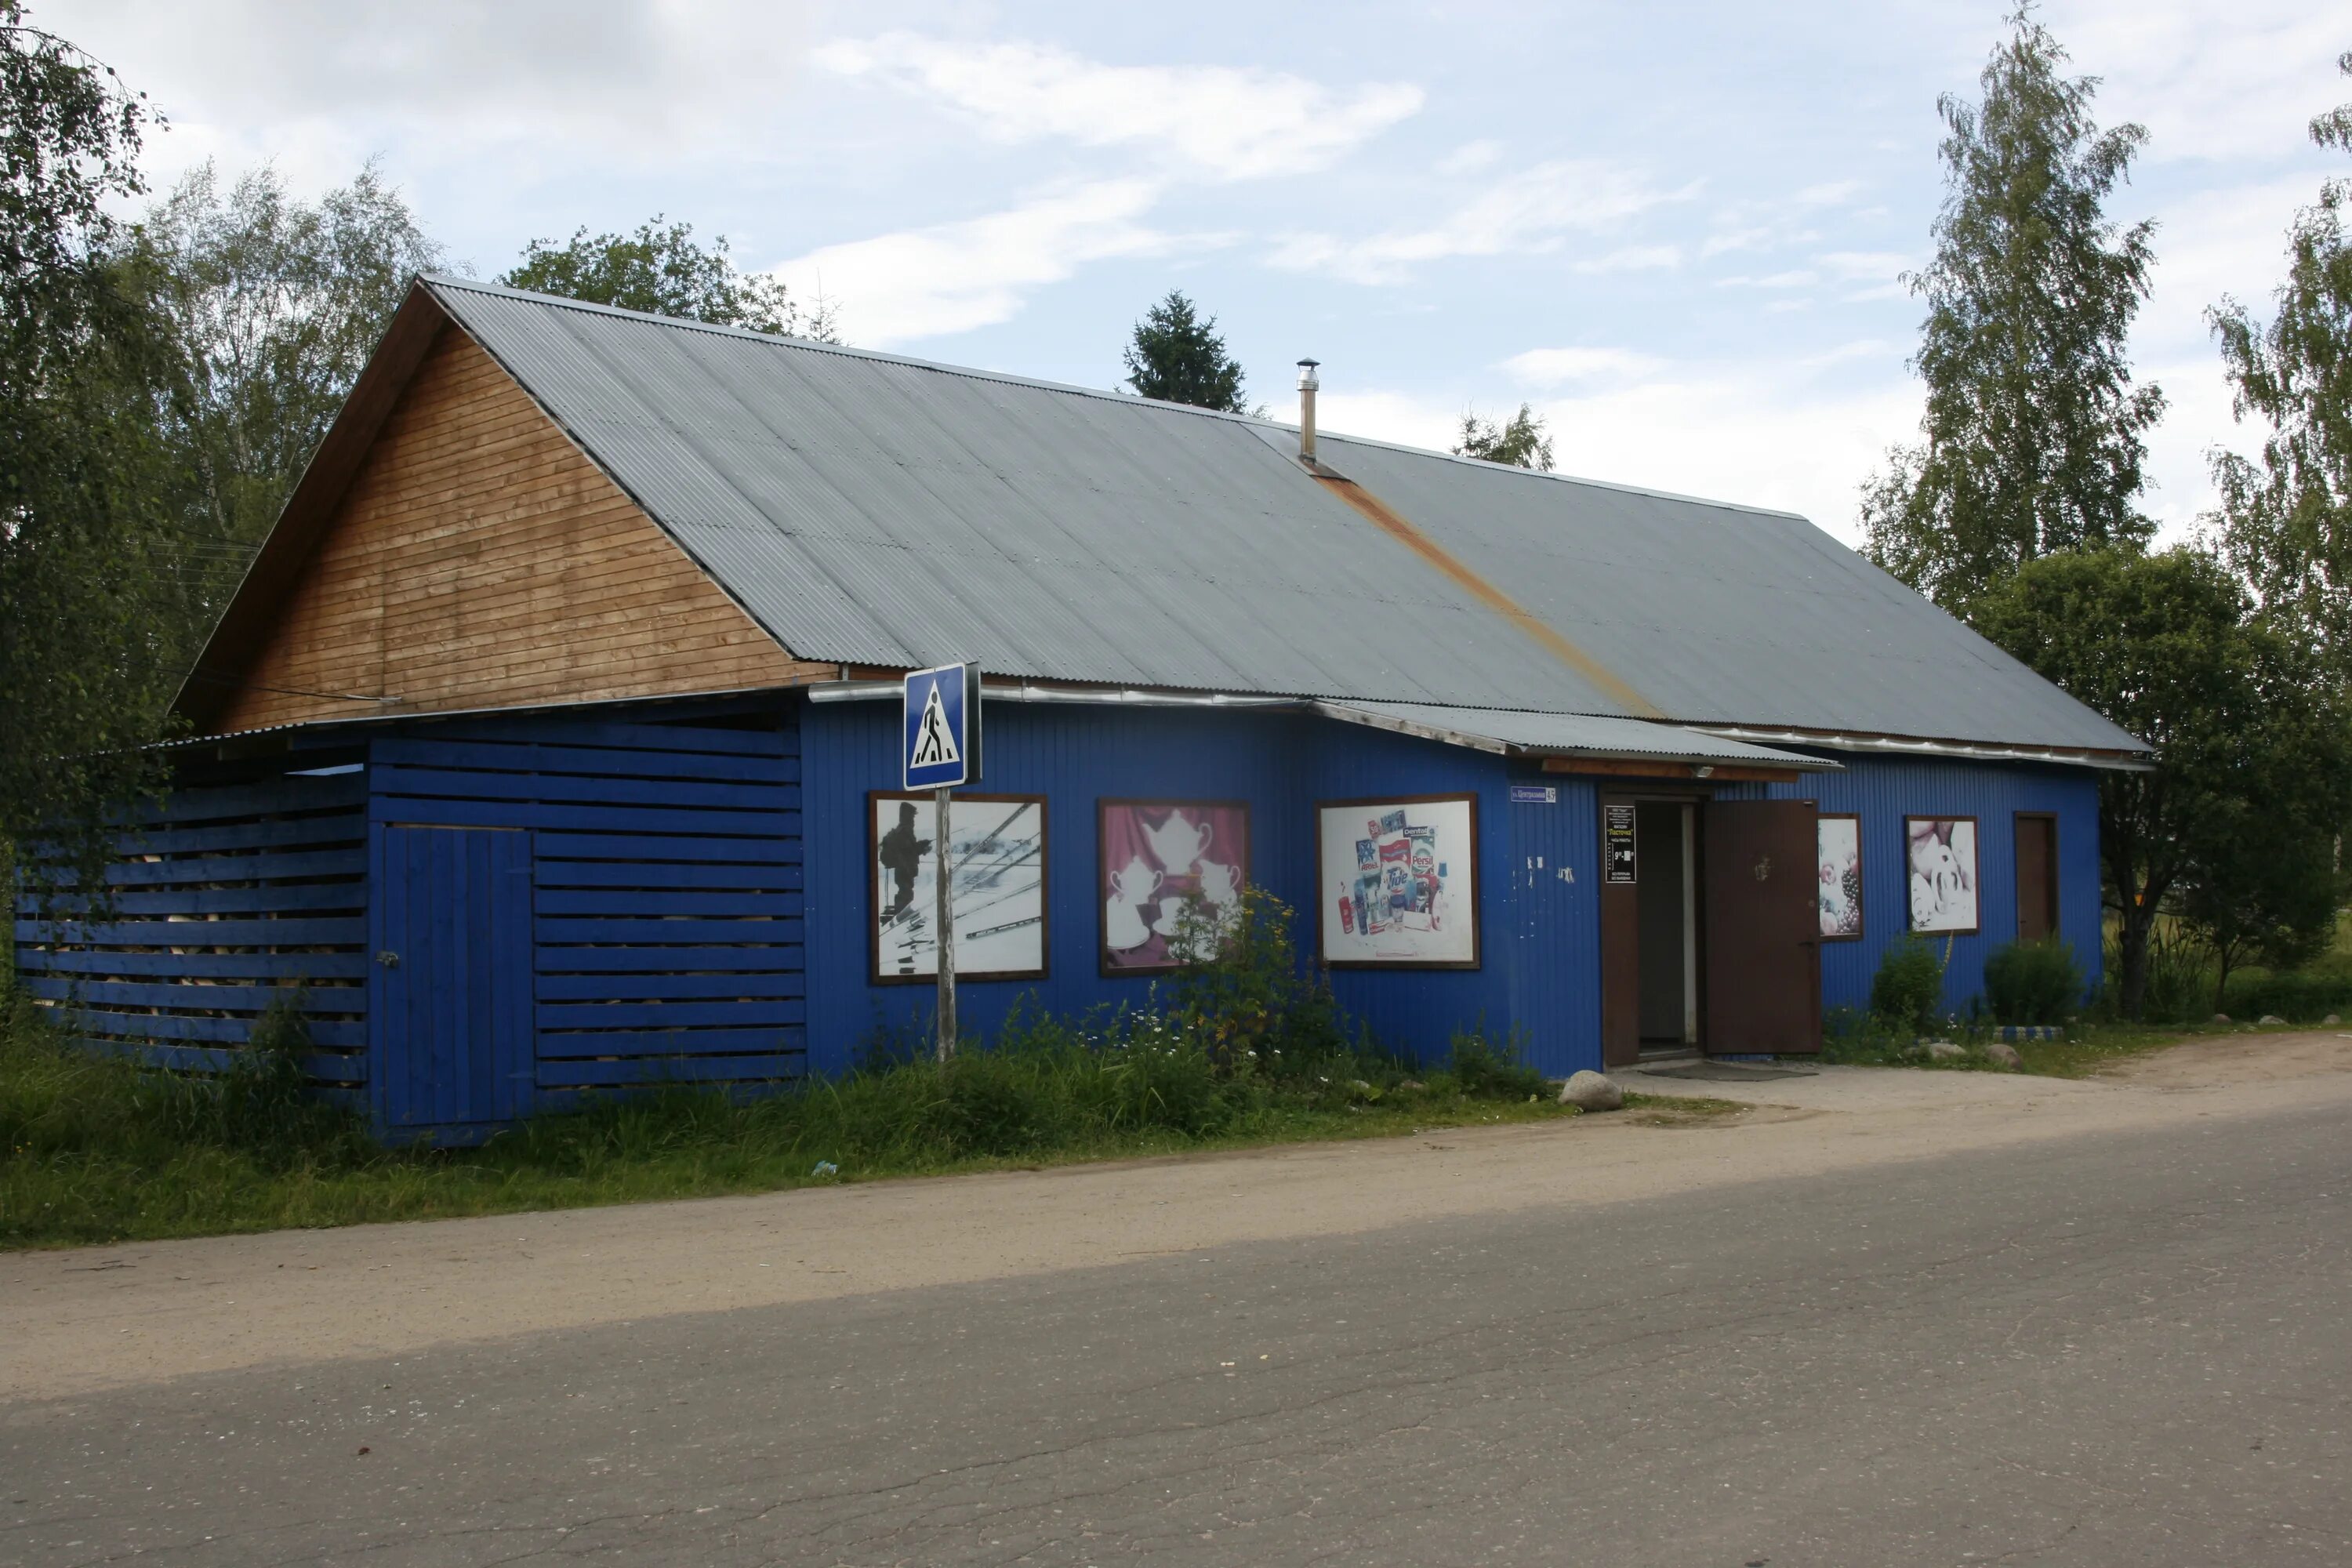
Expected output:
{"points": [[2330, 1021], [2004, 1057], [1590, 1090], [2270, 1019], [1945, 1051], [2221, 1017]]}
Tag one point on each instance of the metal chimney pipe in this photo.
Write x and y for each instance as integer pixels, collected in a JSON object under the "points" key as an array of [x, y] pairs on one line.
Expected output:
{"points": [[1307, 385]]}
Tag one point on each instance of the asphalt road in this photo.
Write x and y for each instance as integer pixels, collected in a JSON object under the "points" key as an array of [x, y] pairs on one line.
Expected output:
{"points": [[2122, 1348]]}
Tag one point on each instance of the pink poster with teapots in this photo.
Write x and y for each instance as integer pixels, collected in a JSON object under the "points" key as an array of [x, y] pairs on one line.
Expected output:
{"points": [[1171, 879]]}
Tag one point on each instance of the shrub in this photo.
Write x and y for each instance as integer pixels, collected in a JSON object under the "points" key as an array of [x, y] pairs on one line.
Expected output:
{"points": [[2302, 996], [1253, 1007], [2033, 981], [1907, 991], [1484, 1069]]}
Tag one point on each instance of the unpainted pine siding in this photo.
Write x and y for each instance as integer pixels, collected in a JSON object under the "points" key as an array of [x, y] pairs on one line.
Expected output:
{"points": [[480, 560]]}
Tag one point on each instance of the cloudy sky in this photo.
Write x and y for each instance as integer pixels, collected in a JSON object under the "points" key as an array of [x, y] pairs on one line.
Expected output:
{"points": [[1676, 229]]}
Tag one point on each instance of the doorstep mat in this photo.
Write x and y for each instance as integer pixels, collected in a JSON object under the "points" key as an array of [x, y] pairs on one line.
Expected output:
{"points": [[1727, 1072]]}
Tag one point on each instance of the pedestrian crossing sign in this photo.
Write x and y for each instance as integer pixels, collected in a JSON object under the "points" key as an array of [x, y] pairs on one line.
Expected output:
{"points": [[940, 724]]}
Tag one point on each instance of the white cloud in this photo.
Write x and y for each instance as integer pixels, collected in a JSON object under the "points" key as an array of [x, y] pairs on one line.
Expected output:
{"points": [[1829, 194], [1865, 266], [262, 80], [1531, 211], [1734, 239], [2210, 87], [1222, 122], [1795, 278], [1471, 157], [954, 277], [1562, 367], [1762, 435], [1634, 258]]}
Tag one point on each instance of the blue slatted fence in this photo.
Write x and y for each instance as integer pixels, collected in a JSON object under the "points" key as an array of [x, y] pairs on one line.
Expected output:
{"points": [[668, 896], [226, 896]]}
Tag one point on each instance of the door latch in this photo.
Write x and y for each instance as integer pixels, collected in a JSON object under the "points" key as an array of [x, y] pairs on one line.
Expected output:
{"points": [[389, 959]]}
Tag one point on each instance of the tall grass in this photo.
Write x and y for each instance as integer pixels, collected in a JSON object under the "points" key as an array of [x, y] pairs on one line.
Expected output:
{"points": [[1250, 1050]]}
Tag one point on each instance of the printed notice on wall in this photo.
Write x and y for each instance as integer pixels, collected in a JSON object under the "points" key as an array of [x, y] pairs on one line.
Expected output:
{"points": [[1617, 843]]}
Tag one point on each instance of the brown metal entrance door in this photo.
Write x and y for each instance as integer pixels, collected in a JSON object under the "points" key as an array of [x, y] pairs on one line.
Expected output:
{"points": [[1762, 920]]}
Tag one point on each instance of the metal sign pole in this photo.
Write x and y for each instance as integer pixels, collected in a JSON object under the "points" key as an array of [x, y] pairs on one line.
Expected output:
{"points": [[947, 933]]}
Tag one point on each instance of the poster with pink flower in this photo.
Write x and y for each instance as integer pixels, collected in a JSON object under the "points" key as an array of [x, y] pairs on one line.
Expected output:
{"points": [[1171, 874]]}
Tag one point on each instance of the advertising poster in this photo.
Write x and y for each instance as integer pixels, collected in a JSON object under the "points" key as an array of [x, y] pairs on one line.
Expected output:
{"points": [[1941, 855], [996, 886], [1398, 882], [1841, 876], [1172, 873]]}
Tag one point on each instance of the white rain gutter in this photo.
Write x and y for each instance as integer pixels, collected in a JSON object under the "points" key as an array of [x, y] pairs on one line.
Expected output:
{"points": [[996, 689], [2117, 761]]}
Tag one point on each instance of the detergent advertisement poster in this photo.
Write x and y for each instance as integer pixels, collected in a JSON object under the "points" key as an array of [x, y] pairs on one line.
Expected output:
{"points": [[1398, 882]]}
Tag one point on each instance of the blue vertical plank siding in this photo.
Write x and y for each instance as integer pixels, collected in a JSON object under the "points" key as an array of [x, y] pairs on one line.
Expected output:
{"points": [[1555, 924], [1883, 790], [238, 890], [585, 903], [1281, 764]]}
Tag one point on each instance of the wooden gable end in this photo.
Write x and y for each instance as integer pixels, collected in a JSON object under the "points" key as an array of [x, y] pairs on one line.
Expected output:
{"points": [[480, 560]]}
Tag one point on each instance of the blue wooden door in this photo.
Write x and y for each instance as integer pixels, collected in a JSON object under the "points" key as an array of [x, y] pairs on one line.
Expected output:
{"points": [[453, 1018]]}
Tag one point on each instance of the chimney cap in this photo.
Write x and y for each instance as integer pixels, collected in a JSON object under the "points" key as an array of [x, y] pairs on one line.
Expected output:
{"points": [[1307, 379]]}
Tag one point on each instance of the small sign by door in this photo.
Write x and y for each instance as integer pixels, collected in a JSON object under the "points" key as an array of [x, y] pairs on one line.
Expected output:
{"points": [[1617, 843]]}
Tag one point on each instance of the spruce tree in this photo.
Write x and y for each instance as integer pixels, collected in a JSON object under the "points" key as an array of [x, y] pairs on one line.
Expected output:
{"points": [[2032, 438], [1177, 356]]}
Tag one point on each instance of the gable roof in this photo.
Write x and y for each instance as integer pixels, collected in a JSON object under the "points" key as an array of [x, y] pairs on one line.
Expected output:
{"points": [[874, 511]]}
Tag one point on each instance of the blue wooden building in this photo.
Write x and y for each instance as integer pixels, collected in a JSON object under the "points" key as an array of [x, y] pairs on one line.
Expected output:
{"points": [[550, 744]]}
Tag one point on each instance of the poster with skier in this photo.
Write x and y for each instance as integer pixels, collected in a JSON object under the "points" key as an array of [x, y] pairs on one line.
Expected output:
{"points": [[996, 886]]}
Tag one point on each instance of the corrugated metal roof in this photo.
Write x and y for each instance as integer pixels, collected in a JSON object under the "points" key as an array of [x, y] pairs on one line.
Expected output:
{"points": [[1570, 735], [873, 510]]}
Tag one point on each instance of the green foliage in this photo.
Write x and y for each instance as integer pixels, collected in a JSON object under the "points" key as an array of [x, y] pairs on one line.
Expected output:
{"points": [[95, 1149], [271, 307], [1491, 1069], [665, 271], [1907, 991], [2031, 441], [2300, 997], [82, 554], [1247, 996], [1177, 356], [2033, 981], [1519, 441], [2253, 775], [2286, 523]]}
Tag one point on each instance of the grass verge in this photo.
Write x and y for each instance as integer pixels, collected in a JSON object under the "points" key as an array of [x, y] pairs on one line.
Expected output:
{"points": [[94, 1150]]}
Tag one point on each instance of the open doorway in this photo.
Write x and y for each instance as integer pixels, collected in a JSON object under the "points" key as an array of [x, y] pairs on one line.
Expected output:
{"points": [[1666, 841], [1710, 926]]}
